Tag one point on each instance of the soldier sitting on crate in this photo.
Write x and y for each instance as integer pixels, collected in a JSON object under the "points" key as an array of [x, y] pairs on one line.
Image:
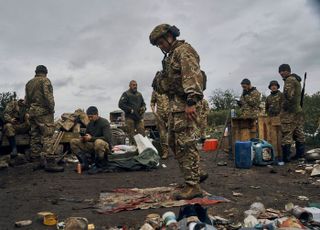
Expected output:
{"points": [[16, 121], [95, 144]]}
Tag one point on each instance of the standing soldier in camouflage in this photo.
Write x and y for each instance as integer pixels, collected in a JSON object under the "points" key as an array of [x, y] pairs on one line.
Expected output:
{"points": [[291, 115], [40, 104], [249, 101], [203, 108], [274, 100], [132, 103], [160, 107], [182, 82], [16, 122]]}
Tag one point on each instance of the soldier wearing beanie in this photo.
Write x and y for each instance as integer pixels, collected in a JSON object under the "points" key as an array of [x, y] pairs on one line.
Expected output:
{"points": [[274, 100], [96, 143], [291, 116], [40, 105]]}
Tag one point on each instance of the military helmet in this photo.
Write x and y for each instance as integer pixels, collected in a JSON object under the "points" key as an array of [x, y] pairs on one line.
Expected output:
{"points": [[41, 69], [161, 30], [274, 82]]}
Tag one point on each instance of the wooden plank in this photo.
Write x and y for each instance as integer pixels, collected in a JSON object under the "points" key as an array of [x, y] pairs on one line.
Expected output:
{"points": [[270, 130]]}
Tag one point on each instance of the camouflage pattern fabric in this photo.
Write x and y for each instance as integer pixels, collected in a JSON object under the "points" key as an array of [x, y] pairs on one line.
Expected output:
{"points": [[182, 141], [182, 81], [250, 102], [98, 148], [134, 127], [273, 103], [292, 118], [203, 111], [40, 103], [15, 119], [161, 101]]}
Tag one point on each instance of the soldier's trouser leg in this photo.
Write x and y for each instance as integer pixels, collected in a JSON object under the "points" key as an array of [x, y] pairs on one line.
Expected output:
{"points": [[163, 132], [298, 136], [83, 151], [139, 125], [101, 149], [186, 151], [130, 129], [46, 123], [35, 138]]}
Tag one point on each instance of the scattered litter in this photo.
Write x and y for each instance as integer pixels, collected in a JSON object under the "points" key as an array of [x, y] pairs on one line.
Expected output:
{"points": [[303, 198], [288, 207], [316, 170], [79, 223], [222, 163], [254, 187], [290, 223], [237, 194], [300, 171], [50, 219], [315, 213], [23, 223], [250, 221], [272, 170], [302, 214], [163, 166]]}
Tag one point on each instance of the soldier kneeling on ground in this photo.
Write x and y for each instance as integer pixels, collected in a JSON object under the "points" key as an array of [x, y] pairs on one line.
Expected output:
{"points": [[16, 122], [95, 145]]}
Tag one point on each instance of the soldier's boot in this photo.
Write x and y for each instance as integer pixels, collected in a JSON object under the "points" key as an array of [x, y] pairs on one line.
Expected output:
{"points": [[165, 151], [188, 192], [13, 145], [51, 165], [99, 166], [300, 149], [286, 152], [203, 176], [39, 164]]}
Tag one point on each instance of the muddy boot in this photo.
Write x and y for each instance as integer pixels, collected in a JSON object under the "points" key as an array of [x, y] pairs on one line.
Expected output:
{"points": [[165, 152], [51, 165], [39, 164], [188, 192], [99, 166], [300, 148], [203, 176], [13, 145], [20, 159], [286, 152]]}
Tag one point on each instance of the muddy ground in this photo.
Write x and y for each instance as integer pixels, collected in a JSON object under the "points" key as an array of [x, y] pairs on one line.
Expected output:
{"points": [[23, 193]]}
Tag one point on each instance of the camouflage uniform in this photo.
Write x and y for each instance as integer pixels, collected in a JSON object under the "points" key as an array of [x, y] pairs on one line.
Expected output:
{"points": [[15, 110], [182, 82], [249, 103], [162, 102], [40, 103], [273, 103], [132, 103], [291, 116], [203, 108]]}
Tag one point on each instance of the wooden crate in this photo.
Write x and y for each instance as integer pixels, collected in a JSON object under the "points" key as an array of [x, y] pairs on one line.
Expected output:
{"points": [[270, 130], [242, 129]]}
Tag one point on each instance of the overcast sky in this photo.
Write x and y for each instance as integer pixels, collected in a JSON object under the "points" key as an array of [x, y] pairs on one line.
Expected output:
{"points": [[93, 48]]}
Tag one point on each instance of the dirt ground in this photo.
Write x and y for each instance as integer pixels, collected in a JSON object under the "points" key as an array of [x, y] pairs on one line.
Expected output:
{"points": [[24, 193]]}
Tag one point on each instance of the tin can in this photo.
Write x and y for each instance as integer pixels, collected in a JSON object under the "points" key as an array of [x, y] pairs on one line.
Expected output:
{"points": [[79, 170]]}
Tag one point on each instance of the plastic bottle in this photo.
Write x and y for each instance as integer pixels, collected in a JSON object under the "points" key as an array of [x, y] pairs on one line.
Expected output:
{"points": [[233, 113]]}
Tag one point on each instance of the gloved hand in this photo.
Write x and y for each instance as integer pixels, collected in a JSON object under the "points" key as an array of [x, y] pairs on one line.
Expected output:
{"points": [[142, 110]]}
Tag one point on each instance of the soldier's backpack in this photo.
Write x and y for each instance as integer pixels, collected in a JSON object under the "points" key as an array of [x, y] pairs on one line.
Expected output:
{"points": [[204, 80]]}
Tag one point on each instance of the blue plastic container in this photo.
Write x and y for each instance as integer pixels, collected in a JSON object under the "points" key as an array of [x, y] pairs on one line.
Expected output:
{"points": [[243, 154], [263, 152]]}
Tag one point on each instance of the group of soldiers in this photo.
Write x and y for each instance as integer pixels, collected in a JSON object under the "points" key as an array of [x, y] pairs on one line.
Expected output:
{"points": [[178, 104], [286, 104]]}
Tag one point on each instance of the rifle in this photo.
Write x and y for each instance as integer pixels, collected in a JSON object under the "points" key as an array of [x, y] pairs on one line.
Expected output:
{"points": [[303, 89]]}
